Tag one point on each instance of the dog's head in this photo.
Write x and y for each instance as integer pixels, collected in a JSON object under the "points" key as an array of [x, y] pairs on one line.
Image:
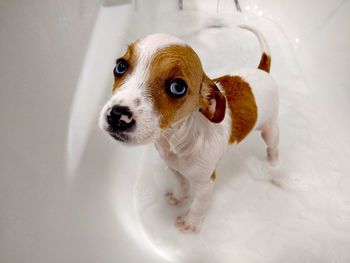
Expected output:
{"points": [[157, 82]]}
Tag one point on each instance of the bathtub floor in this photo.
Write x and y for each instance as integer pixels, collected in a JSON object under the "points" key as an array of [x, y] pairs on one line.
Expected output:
{"points": [[304, 215]]}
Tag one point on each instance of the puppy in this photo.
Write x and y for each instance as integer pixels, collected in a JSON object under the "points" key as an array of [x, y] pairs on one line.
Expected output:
{"points": [[162, 94]]}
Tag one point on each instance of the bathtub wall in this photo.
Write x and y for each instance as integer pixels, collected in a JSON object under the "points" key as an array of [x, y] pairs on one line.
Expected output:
{"points": [[42, 48]]}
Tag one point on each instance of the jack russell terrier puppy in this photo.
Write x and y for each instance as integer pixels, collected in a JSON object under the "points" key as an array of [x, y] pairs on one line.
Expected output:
{"points": [[162, 94]]}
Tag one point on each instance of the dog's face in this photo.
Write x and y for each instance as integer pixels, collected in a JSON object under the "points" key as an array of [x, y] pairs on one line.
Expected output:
{"points": [[157, 82]]}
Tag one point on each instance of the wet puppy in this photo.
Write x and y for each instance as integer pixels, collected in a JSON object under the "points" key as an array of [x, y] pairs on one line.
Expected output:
{"points": [[162, 94]]}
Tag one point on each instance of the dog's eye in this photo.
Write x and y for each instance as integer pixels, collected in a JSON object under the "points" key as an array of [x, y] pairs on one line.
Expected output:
{"points": [[120, 67], [177, 88]]}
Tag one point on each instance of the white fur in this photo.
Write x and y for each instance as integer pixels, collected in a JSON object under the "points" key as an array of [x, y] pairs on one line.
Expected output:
{"points": [[187, 146], [192, 147]]}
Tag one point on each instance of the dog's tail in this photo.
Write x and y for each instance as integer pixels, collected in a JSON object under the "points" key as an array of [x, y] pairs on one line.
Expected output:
{"points": [[265, 60]]}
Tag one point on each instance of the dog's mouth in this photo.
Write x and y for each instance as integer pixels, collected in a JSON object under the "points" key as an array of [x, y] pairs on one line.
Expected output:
{"points": [[120, 137], [130, 139]]}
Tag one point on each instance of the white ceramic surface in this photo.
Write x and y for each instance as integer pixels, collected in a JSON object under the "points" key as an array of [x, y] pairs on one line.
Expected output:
{"points": [[74, 195]]}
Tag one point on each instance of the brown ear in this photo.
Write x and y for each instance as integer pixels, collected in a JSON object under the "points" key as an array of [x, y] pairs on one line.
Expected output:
{"points": [[212, 103]]}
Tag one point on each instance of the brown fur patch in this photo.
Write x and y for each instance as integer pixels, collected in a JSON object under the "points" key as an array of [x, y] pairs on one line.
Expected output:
{"points": [[213, 176], [265, 62], [168, 64], [131, 57], [242, 104]]}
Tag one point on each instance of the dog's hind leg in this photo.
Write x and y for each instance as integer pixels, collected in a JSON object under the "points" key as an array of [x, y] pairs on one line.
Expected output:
{"points": [[183, 193], [270, 134]]}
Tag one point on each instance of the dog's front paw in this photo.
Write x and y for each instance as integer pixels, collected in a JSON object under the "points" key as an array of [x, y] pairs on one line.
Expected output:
{"points": [[186, 224], [172, 200]]}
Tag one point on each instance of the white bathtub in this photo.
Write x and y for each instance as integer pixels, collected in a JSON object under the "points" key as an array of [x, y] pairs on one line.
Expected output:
{"points": [[68, 193]]}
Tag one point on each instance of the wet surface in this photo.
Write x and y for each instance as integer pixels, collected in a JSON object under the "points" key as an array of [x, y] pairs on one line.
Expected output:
{"points": [[110, 206]]}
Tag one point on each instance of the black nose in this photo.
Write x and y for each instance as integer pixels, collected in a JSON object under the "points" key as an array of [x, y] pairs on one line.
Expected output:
{"points": [[120, 118]]}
